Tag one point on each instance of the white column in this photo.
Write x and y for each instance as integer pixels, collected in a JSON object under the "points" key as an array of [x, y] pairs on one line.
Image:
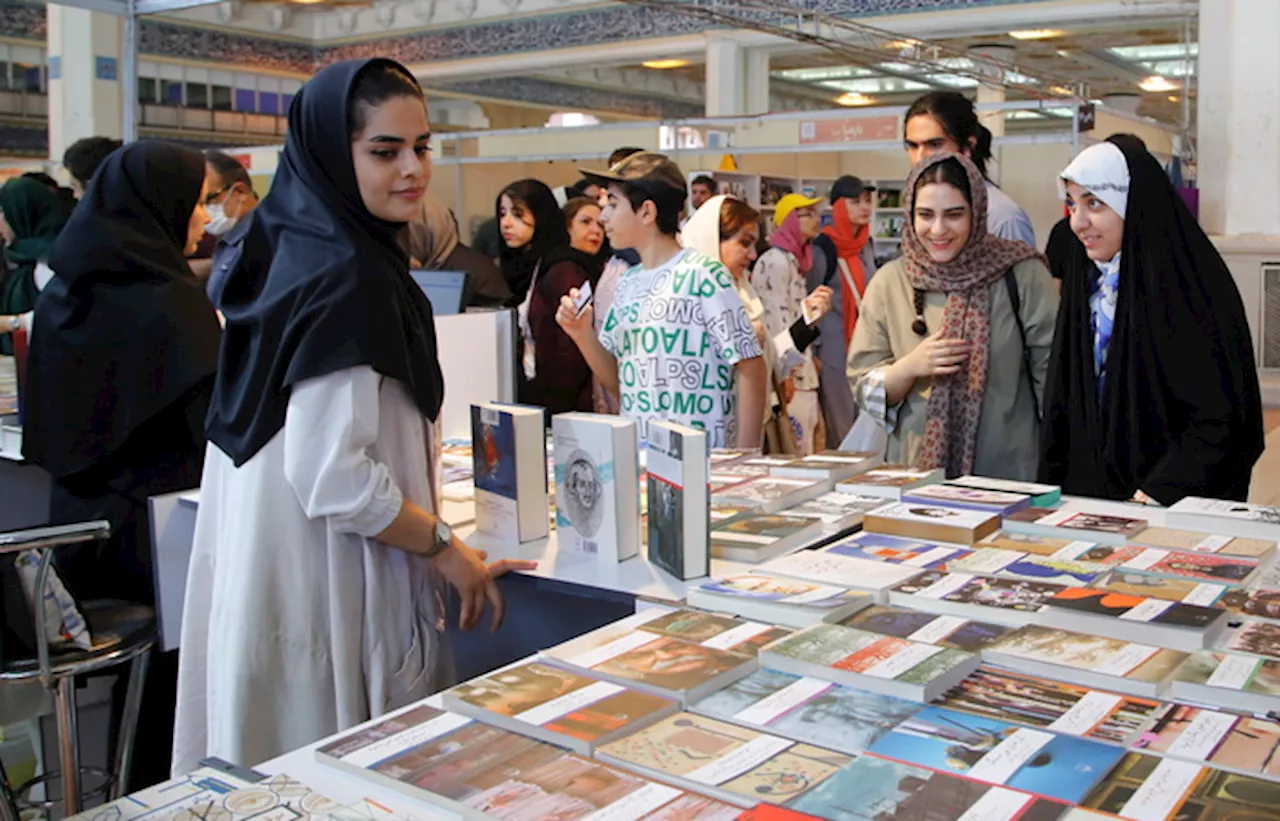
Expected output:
{"points": [[85, 57], [725, 96], [992, 92], [1238, 126], [756, 91]]}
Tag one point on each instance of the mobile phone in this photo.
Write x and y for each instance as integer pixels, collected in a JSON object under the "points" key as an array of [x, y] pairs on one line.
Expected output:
{"points": [[583, 299]]}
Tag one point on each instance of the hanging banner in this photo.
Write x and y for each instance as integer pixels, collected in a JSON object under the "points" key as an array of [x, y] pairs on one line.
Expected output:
{"points": [[850, 130]]}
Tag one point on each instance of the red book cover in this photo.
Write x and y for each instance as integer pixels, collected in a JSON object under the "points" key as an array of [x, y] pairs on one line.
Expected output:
{"points": [[770, 812]]}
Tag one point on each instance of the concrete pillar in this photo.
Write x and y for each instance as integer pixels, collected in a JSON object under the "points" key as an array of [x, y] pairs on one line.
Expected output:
{"points": [[85, 71], [756, 91], [992, 92], [725, 97]]}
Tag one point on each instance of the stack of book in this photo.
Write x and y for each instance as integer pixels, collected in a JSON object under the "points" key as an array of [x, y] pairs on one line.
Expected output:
{"points": [[772, 493], [829, 465], [944, 631], [934, 523], [759, 537], [890, 481], [819, 566], [1185, 627], [967, 596], [778, 600]]}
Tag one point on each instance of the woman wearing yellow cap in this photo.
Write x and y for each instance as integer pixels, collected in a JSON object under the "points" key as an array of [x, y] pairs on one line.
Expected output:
{"points": [[779, 278]]}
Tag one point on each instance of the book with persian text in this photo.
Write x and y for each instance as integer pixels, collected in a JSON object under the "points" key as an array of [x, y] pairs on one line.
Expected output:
{"points": [[984, 598], [1129, 668], [932, 523], [890, 481], [778, 600], [930, 628]]}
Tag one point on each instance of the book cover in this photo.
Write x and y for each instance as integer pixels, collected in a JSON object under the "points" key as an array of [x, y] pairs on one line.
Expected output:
{"points": [[944, 631], [677, 501], [1120, 606], [1263, 604], [718, 632], [1083, 521], [968, 498], [889, 481], [1196, 541], [507, 469], [1053, 705], [597, 485], [1220, 739], [1009, 564], [860, 651], [1000, 753], [694, 807], [771, 812], [278, 796], [762, 536], [773, 493], [846, 571], [807, 709], [842, 509], [1203, 566], [1169, 588], [367, 745], [1041, 495], [1150, 788], [724, 511], [1221, 516], [1034, 545], [1232, 671], [893, 550], [761, 587], [932, 522], [671, 665], [1112, 657], [985, 591]]}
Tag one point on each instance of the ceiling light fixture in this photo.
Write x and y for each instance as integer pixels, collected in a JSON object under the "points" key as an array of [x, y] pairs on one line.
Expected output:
{"points": [[1156, 83], [662, 65], [854, 98], [1036, 34]]}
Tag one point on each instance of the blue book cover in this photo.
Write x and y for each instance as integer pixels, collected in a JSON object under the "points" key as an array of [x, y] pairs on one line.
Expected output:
{"points": [[893, 550], [493, 451]]}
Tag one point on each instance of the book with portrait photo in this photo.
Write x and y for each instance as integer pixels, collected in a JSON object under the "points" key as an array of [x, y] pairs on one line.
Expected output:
{"points": [[890, 481], [932, 523], [677, 500], [597, 485]]}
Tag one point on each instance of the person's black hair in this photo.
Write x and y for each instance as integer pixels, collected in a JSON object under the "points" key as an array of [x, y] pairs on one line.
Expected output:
{"points": [[42, 178], [955, 113], [949, 172], [374, 86], [704, 179], [620, 154], [669, 202], [229, 169], [83, 157]]}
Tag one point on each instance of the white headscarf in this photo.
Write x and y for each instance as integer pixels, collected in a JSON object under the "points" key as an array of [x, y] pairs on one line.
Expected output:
{"points": [[702, 231], [1102, 171]]}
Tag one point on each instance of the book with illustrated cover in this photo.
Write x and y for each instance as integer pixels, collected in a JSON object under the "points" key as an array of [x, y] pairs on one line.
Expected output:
{"points": [[969, 498], [930, 628], [677, 500], [718, 483], [763, 536], [597, 485], [773, 493], [1186, 627], [836, 511], [199, 789], [717, 631], [932, 523], [869, 661], [1009, 564], [1267, 578], [557, 706], [1258, 604], [807, 709], [694, 807], [509, 461], [1231, 680], [831, 465], [1041, 495], [845, 571], [1036, 545], [1195, 541], [878, 789], [772, 812], [1079, 522], [1169, 588], [1150, 788], [1223, 740], [740, 471], [1091, 661], [1104, 554], [778, 600], [723, 455], [1255, 636], [723, 512], [985, 749], [890, 481], [726, 761], [878, 547], [984, 598], [1226, 518], [1207, 567], [1054, 705], [275, 797]]}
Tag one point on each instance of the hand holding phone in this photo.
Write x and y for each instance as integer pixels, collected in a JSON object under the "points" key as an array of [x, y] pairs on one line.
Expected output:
{"points": [[583, 299]]}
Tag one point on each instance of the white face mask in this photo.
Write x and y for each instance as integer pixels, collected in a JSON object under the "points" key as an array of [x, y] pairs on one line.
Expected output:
{"points": [[219, 222]]}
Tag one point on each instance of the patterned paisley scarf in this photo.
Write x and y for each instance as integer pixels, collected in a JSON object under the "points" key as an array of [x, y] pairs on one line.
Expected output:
{"points": [[955, 404]]}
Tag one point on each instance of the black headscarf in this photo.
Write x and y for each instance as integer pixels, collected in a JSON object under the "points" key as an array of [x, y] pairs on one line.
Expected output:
{"points": [[322, 284], [1180, 413], [123, 330], [549, 232]]}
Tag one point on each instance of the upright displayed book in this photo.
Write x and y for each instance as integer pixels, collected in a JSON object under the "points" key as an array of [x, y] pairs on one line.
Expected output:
{"points": [[846, 571], [1089, 661], [807, 709], [968, 498], [869, 661], [1185, 627], [773, 493], [985, 749], [725, 761], [778, 600], [557, 706], [758, 538], [966, 596], [1235, 681], [509, 467], [1010, 564], [1219, 739], [830, 465], [597, 485], [1041, 495], [1226, 518], [894, 550], [890, 481], [1078, 522], [1195, 541], [678, 512], [944, 631], [1149, 788], [836, 511], [932, 523]]}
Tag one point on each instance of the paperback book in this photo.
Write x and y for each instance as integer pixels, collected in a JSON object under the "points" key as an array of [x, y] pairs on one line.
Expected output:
{"points": [[1185, 627], [809, 710], [1169, 588], [1195, 541], [878, 547], [1226, 518], [869, 661], [597, 485], [1075, 522], [846, 571], [1149, 788], [557, 706], [829, 465], [836, 511], [1206, 567], [278, 796], [1234, 681], [985, 749], [509, 470], [930, 628], [726, 761], [773, 493], [678, 501], [778, 600], [1089, 661], [758, 538], [1261, 604], [932, 523], [1009, 564], [890, 481], [1223, 740], [1041, 495], [1036, 545], [723, 512], [1254, 636], [968, 498], [713, 630], [1003, 601]]}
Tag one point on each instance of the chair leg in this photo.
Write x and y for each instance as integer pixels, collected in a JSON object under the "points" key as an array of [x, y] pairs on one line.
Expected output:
{"points": [[68, 744], [8, 801], [129, 725]]}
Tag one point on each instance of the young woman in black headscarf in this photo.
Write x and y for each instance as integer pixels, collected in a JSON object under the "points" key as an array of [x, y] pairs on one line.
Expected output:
{"points": [[542, 266], [1152, 392], [320, 560], [123, 351]]}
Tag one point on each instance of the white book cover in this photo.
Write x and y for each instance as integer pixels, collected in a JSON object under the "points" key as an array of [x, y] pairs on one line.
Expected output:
{"points": [[845, 571], [677, 500], [597, 485], [510, 480], [931, 515], [1225, 517]]}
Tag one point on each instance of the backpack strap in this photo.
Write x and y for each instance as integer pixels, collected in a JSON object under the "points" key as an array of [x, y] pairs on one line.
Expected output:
{"points": [[1011, 284]]}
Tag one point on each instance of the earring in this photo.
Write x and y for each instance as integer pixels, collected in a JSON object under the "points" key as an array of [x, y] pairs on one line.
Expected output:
{"points": [[918, 325]]}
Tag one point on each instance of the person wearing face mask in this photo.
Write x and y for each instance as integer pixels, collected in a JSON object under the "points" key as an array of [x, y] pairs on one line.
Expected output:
{"points": [[779, 277], [952, 344], [231, 199], [1153, 390]]}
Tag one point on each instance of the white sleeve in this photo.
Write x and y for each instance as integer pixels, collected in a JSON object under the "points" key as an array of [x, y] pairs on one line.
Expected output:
{"points": [[330, 424]]}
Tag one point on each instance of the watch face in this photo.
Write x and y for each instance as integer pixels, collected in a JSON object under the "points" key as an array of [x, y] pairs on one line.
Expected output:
{"points": [[443, 533]]}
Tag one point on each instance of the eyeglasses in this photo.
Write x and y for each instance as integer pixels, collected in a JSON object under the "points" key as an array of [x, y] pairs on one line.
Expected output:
{"points": [[213, 196]]}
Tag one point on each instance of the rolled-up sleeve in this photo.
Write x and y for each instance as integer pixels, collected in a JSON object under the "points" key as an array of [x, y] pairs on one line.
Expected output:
{"points": [[331, 423], [873, 398]]}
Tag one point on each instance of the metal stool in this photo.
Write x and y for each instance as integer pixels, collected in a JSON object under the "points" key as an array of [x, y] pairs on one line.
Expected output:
{"points": [[121, 631]]}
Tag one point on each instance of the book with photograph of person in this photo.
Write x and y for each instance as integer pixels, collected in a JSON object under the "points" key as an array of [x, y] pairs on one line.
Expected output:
{"points": [[678, 517], [983, 598], [1186, 627], [837, 511], [878, 547], [986, 749], [1010, 564], [1223, 740], [890, 481], [597, 485], [726, 761], [829, 465], [778, 600], [845, 571], [930, 628], [868, 661], [1151, 788], [1054, 705], [968, 498], [1115, 665], [1041, 495], [759, 538], [933, 523], [508, 466], [809, 710], [1076, 522], [1225, 518], [1195, 541], [1206, 567], [773, 493]]}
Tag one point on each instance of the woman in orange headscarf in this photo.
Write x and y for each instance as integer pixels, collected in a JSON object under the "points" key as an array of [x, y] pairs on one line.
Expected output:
{"points": [[844, 259]]}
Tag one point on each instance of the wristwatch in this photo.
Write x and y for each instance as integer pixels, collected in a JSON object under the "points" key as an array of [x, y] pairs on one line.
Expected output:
{"points": [[444, 538], [15, 322]]}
